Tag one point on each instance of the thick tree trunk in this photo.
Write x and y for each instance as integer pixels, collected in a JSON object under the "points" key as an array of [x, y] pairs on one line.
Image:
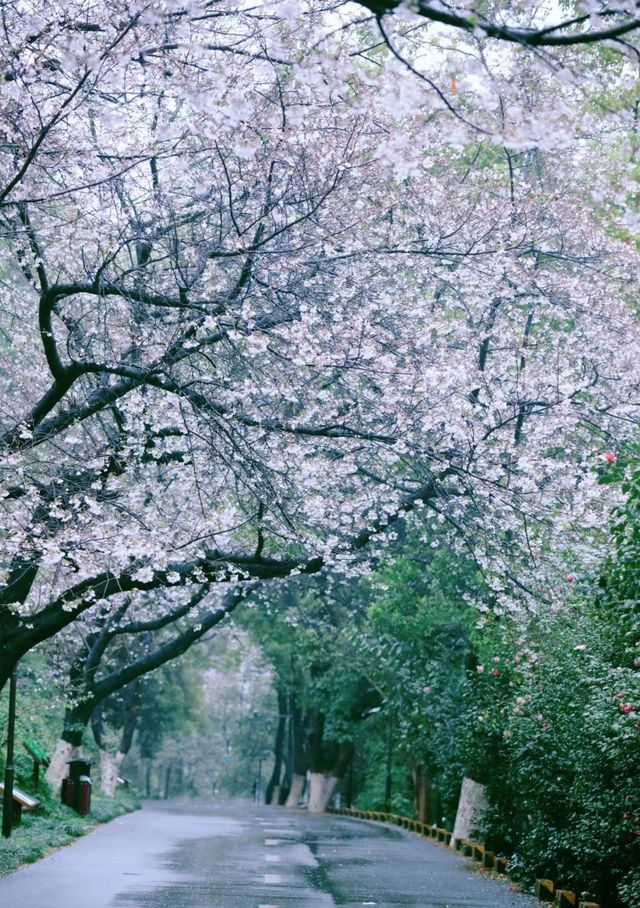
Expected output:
{"points": [[179, 777], [273, 786], [328, 762], [109, 771], [295, 791], [321, 788], [471, 807], [421, 793], [109, 762], [58, 769], [69, 745], [16, 638], [315, 743], [348, 793], [297, 756], [167, 781]]}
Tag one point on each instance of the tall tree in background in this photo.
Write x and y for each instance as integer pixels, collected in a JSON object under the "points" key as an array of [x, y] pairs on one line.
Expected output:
{"points": [[117, 649], [306, 634]]}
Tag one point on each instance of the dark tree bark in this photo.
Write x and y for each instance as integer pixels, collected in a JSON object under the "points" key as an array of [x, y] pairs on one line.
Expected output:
{"points": [[421, 793], [278, 748], [167, 781], [565, 33]]}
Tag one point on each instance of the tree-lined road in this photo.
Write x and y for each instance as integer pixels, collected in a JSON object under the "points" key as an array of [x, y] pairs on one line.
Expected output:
{"points": [[200, 855]]}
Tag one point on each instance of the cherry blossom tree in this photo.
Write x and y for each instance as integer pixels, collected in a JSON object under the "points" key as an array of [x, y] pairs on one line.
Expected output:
{"points": [[263, 298]]}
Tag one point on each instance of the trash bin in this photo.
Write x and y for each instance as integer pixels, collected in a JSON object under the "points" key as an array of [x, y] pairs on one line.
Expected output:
{"points": [[83, 795], [76, 788]]}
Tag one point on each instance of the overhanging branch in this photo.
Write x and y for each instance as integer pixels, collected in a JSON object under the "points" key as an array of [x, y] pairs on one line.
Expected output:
{"points": [[564, 34]]}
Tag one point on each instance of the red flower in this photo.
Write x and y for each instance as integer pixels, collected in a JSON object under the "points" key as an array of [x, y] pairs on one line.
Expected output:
{"points": [[569, 578], [609, 457], [495, 672], [626, 707]]}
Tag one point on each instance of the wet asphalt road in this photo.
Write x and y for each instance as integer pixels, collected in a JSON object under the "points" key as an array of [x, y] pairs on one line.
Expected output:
{"points": [[191, 854]]}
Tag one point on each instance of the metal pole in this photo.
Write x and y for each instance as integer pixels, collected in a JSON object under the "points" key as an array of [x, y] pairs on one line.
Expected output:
{"points": [[387, 781], [7, 801]]}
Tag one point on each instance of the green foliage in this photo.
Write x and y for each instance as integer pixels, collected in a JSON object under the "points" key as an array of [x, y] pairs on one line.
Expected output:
{"points": [[309, 637], [417, 642], [544, 711], [629, 889], [206, 721], [172, 706], [370, 770], [39, 708], [561, 789], [567, 729]]}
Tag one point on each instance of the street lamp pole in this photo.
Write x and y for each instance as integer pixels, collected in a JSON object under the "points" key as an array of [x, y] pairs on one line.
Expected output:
{"points": [[7, 801]]}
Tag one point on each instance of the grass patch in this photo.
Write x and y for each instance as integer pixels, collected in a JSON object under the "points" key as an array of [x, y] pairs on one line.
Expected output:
{"points": [[52, 825]]}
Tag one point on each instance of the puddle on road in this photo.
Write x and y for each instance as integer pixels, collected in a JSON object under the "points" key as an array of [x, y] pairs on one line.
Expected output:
{"points": [[216, 873]]}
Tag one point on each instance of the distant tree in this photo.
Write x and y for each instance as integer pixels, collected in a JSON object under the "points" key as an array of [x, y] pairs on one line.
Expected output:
{"points": [[172, 713], [114, 655]]}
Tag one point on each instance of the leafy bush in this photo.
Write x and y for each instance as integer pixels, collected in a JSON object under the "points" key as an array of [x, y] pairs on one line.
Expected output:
{"points": [[561, 788], [563, 797]]}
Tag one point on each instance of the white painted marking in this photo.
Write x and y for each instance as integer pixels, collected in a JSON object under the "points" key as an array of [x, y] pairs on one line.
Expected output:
{"points": [[272, 841], [272, 858], [272, 878]]}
